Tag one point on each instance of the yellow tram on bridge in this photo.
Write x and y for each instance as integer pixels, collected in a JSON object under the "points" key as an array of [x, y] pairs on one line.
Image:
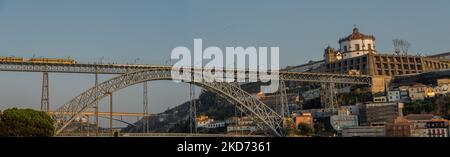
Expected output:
{"points": [[52, 60], [37, 60], [12, 59]]}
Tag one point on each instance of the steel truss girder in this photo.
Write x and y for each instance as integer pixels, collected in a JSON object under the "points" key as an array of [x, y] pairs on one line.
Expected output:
{"points": [[264, 116], [73, 68], [126, 68]]}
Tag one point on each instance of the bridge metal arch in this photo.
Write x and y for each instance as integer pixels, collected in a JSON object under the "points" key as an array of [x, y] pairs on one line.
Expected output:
{"points": [[264, 116]]}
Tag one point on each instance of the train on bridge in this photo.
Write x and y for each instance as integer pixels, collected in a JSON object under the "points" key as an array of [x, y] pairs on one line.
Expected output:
{"points": [[37, 60]]}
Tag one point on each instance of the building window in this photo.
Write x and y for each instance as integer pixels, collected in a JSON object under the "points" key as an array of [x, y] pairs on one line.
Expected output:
{"points": [[357, 47], [345, 48], [370, 46], [391, 59]]}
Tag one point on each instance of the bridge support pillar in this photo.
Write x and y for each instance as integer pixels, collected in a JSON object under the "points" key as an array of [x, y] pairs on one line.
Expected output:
{"points": [[111, 114], [192, 110], [96, 105], [328, 97], [45, 101], [284, 100], [145, 119], [88, 125]]}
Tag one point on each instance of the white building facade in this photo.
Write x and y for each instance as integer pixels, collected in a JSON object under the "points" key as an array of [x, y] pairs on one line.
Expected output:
{"points": [[393, 96], [357, 44]]}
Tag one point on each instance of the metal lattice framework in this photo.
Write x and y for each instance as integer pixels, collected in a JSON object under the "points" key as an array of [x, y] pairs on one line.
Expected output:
{"points": [[126, 68], [74, 68], [264, 116], [45, 102]]}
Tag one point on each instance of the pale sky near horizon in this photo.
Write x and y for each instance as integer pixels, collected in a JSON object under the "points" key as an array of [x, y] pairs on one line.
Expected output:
{"points": [[121, 31]]}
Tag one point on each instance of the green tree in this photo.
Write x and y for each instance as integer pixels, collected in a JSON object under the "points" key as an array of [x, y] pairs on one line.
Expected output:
{"points": [[419, 107], [305, 129], [3, 132], [25, 123]]}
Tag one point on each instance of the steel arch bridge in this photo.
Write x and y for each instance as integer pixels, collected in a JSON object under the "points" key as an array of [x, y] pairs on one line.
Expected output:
{"points": [[264, 116]]}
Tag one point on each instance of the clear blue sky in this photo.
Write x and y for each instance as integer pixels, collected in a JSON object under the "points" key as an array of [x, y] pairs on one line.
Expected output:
{"points": [[122, 31]]}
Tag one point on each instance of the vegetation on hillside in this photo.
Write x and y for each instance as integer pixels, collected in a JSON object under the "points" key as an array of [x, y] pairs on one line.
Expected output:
{"points": [[176, 119], [438, 106]]}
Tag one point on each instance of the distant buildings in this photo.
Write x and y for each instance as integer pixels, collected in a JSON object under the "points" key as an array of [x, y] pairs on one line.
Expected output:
{"points": [[393, 96], [364, 131], [357, 55], [417, 92], [443, 81], [317, 113], [343, 120], [437, 128], [353, 109], [419, 125], [304, 118], [206, 122], [379, 99], [400, 128], [233, 125], [386, 119], [442, 87], [383, 119], [420, 91], [441, 90], [357, 52], [240, 125], [414, 92], [404, 95], [384, 116], [246, 129], [380, 112]]}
